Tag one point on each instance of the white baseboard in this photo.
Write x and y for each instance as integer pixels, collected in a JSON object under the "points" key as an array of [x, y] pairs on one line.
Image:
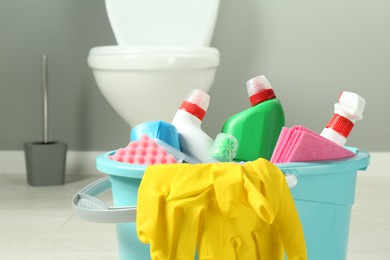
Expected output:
{"points": [[85, 162], [76, 162]]}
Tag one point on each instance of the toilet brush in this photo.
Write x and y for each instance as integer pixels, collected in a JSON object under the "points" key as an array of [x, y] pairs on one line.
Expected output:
{"points": [[45, 160]]}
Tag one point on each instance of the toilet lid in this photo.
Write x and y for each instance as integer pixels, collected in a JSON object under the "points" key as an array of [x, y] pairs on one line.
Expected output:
{"points": [[163, 22]]}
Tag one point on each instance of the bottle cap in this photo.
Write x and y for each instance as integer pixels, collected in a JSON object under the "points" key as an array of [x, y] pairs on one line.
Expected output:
{"points": [[199, 98], [259, 90], [196, 103], [350, 105]]}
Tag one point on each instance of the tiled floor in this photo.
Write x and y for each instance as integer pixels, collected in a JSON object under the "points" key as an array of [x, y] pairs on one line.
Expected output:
{"points": [[39, 222]]}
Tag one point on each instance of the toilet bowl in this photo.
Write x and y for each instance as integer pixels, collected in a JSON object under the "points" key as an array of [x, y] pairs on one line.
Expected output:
{"points": [[162, 53]]}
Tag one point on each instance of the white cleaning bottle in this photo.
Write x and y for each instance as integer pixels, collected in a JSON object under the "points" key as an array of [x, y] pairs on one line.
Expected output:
{"points": [[188, 119], [349, 109]]}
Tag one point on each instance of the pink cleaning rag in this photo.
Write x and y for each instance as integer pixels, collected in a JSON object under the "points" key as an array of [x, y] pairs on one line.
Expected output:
{"points": [[299, 144]]}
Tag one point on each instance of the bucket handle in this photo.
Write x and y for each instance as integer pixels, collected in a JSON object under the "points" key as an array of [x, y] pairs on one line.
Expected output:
{"points": [[91, 209]]}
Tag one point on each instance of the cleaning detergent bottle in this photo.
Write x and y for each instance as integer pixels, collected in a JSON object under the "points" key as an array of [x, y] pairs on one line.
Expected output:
{"points": [[188, 119], [257, 128], [349, 109]]}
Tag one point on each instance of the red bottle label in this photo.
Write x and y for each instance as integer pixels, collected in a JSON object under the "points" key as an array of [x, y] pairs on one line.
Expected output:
{"points": [[262, 96], [340, 124], [193, 109]]}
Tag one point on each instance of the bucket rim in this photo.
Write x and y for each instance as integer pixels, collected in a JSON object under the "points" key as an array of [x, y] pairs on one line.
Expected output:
{"points": [[111, 167], [358, 162]]}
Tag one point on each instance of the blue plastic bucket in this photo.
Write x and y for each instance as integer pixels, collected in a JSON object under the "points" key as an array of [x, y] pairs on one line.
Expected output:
{"points": [[125, 180], [324, 196]]}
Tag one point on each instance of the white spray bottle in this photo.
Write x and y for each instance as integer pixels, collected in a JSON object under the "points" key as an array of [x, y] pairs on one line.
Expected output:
{"points": [[188, 119]]}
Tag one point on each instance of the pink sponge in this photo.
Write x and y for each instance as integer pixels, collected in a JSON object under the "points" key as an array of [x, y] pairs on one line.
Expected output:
{"points": [[143, 151]]}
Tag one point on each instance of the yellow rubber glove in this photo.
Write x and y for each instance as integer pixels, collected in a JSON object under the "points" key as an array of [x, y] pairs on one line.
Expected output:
{"points": [[173, 200], [222, 207], [263, 177], [266, 225]]}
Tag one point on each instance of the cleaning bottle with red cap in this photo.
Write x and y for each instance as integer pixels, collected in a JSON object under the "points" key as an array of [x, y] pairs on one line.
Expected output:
{"points": [[257, 128], [347, 111], [188, 119]]}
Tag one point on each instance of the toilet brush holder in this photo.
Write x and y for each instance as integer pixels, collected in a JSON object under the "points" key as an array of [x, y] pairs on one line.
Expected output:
{"points": [[45, 163]]}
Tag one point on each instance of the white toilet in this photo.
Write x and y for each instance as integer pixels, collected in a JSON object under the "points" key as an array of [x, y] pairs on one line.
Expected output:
{"points": [[162, 53]]}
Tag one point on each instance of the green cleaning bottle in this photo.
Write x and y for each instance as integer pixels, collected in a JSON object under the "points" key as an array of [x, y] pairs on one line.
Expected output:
{"points": [[257, 128]]}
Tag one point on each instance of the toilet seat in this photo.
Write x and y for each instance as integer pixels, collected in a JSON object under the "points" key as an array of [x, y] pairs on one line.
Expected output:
{"points": [[162, 53], [148, 57]]}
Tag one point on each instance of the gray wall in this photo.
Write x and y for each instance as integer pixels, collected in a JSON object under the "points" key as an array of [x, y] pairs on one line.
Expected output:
{"points": [[310, 51]]}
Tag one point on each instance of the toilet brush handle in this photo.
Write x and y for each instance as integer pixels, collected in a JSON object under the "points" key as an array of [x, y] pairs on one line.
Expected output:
{"points": [[45, 98]]}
